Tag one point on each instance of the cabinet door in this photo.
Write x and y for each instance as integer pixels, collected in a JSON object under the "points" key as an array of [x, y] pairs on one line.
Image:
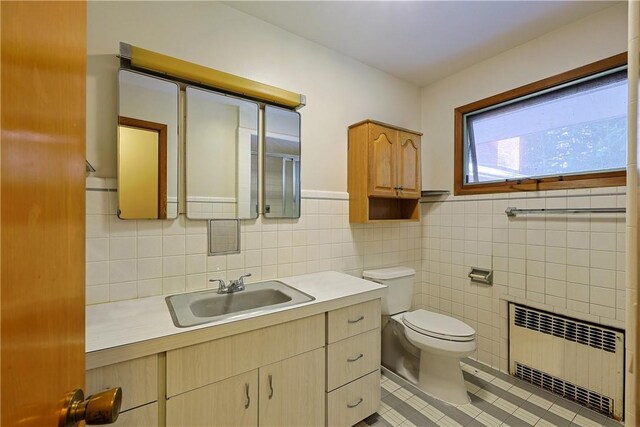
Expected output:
{"points": [[292, 391], [231, 402], [382, 161], [409, 165]]}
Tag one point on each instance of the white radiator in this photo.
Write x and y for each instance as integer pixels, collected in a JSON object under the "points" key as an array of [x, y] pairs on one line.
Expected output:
{"points": [[580, 361]]}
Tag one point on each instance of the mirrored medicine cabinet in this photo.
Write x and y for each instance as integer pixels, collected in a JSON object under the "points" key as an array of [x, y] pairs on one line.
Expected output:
{"points": [[222, 149], [147, 146], [222, 156], [281, 184]]}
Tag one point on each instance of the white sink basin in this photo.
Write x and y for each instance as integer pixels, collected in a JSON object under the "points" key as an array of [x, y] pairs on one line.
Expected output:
{"points": [[195, 308]]}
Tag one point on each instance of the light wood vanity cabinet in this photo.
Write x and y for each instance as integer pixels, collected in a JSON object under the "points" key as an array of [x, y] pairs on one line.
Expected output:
{"points": [[353, 363], [230, 402], [285, 393], [319, 370], [292, 391], [383, 172], [138, 379], [285, 379], [195, 366]]}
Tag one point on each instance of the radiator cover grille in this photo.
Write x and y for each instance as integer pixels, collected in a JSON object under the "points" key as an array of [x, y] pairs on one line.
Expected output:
{"points": [[588, 398], [575, 359], [582, 333]]}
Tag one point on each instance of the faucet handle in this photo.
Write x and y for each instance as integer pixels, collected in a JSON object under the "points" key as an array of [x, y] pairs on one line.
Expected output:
{"points": [[241, 279], [221, 284]]}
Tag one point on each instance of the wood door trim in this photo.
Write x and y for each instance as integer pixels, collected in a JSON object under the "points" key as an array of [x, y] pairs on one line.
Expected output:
{"points": [[161, 128]]}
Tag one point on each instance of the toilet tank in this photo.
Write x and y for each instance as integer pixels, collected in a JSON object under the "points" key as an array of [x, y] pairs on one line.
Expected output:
{"points": [[399, 281]]}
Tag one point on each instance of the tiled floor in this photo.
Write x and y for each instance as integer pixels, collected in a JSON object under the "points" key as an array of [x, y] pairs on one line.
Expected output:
{"points": [[497, 399]]}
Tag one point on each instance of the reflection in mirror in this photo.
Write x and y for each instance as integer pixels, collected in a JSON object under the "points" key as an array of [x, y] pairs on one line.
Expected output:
{"points": [[142, 171], [281, 163], [147, 146], [222, 156]]}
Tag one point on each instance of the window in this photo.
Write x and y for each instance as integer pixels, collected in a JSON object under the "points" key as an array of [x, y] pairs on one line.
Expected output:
{"points": [[567, 131]]}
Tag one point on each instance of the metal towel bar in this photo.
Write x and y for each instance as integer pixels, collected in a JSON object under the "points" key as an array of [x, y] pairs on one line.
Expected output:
{"points": [[511, 211]]}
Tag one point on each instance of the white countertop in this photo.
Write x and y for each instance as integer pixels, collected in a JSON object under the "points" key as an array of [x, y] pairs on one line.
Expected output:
{"points": [[134, 328]]}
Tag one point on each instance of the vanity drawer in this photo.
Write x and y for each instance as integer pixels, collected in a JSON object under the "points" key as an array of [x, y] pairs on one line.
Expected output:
{"points": [[352, 358], [353, 320], [355, 401], [198, 365], [138, 379]]}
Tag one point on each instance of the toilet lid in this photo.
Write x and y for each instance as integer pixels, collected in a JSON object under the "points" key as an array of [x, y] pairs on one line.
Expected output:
{"points": [[438, 326]]}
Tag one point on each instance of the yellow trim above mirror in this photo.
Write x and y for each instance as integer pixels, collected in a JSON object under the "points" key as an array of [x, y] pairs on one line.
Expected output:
{"points": [[147, 59]]}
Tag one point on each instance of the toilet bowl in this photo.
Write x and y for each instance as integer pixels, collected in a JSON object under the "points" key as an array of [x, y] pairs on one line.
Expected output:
{"points": [[441, 340]]}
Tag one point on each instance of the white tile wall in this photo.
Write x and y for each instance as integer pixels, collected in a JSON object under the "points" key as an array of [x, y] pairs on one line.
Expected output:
{"points": [[569, 264], [132, 259]]}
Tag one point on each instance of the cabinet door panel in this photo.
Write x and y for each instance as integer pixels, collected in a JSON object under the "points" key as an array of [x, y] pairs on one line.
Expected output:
{"points": [[292, 391], [382, 159], [409, 165], [201, 364], [232, 402]]}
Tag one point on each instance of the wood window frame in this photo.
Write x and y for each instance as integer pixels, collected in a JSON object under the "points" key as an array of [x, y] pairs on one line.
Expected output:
{"points": [[161, 128], [586, 180]]}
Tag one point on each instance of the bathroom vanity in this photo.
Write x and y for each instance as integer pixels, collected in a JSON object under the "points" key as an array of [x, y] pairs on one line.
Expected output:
{"points": [[316, 363]]}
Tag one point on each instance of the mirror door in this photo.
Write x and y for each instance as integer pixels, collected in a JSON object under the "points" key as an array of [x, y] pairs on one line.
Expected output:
{"points": [[147, 147], [281, 184], [222, 156]]}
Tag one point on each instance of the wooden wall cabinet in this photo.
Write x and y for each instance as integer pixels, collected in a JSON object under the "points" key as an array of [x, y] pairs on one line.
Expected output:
{"points": [[383, 173]]}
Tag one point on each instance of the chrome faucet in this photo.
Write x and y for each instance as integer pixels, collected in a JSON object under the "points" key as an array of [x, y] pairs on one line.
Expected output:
{"points": [[234, 285]]}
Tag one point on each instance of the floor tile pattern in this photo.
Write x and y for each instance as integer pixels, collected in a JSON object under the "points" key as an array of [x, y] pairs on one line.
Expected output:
{"points": [[497, 399]]}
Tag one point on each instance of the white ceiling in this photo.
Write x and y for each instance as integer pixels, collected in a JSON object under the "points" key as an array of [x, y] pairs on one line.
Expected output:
{"points": [[420, 41]]}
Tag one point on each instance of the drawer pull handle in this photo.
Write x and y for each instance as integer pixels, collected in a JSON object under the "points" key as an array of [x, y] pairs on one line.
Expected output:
{"points": [[246, 389], [353, 405], [270, 386], [357, 320], [353, 359]]}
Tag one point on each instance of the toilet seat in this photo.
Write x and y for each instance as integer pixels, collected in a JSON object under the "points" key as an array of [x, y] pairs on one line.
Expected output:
{"points": [[438, 326]]}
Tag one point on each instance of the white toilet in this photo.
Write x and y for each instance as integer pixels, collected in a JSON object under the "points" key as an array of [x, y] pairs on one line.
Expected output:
{"points": [[442, 340]]}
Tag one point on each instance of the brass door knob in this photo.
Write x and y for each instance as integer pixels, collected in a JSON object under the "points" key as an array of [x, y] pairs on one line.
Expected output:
{"points": [[100, 408]]}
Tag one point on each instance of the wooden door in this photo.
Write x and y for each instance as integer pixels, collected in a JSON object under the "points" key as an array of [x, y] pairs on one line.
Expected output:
{"points": [[292, 391], [382, 161], [409, 165], [231, 402], [42, 208]]}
